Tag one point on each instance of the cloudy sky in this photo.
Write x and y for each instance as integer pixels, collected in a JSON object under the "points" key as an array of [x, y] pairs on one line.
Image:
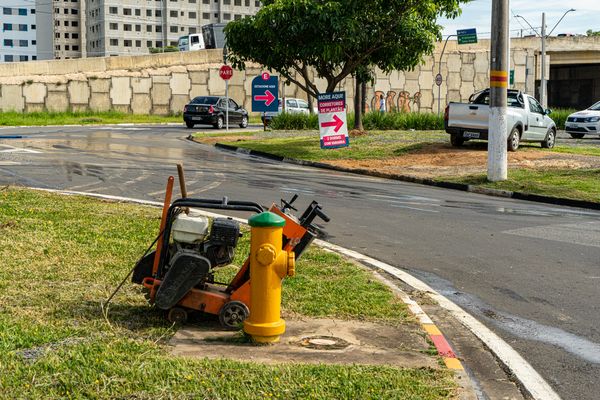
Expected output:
{"points": [[477, 14]]}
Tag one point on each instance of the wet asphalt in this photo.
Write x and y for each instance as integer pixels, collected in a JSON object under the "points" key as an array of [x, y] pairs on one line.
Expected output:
{"points": [[530, 272]]}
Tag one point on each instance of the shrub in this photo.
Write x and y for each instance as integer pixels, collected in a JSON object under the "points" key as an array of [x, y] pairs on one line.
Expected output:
{"points": [[371, 121], [560, 116]]}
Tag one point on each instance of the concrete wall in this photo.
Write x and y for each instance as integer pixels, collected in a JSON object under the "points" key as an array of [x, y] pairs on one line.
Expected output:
{"points": [[164, 83]]}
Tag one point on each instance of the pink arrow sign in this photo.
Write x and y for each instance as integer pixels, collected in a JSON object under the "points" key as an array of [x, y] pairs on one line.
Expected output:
{"points": [[337, 122], [268, 98]]}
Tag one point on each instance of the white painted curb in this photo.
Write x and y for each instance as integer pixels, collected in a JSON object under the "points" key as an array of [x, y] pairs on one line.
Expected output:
{"points": [[529, 378]]}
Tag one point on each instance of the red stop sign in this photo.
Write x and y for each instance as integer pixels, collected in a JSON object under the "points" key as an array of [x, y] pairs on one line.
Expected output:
{"points": [[226, 72]]}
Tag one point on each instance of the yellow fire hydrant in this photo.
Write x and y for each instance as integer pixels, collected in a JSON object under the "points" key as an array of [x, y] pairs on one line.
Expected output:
{"points": [[269, 264]]}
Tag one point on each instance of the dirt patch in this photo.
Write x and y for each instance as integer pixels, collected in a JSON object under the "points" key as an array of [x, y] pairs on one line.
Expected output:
{"points": [[364, 343], [435, 160]]}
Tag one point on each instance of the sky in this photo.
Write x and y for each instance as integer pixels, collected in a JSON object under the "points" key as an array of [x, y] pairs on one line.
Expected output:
{"points": [[478, 13]]}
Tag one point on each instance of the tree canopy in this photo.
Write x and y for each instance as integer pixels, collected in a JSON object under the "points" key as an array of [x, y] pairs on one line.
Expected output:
{"points": [[337, 38]]}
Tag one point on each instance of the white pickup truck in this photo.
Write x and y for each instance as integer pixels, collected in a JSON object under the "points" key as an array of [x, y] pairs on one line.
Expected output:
{"points": [[527, 121]]}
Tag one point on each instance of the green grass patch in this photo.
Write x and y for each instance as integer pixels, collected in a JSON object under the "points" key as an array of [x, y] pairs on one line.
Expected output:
{"points": [[374, 145], [581, 150], [61, 256], [559, 116], [81, 118], [578, 184]]}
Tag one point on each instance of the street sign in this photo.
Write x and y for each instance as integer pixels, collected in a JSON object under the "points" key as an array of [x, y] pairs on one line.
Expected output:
{"points": [[512, 77], [332, 120], [438, 79], [467, 36], [226, 72], [265, 89]]}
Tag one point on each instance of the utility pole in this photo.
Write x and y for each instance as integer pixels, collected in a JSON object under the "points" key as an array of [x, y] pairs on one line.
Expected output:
{"points": [[543, 82], [497, 135]]}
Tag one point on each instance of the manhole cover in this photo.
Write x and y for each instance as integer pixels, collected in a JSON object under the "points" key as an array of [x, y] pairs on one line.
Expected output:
{"points": [[323, 343]]}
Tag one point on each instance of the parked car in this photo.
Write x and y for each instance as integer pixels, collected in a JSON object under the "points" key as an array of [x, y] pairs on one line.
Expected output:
{"points": [[211, 110], [527, 121], [584, 122], [292, 105]]}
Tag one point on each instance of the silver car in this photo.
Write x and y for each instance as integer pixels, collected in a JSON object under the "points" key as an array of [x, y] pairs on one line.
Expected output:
{"points": [[584, 122]]}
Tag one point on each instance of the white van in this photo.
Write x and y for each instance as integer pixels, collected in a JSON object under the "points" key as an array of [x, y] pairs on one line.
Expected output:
{"points": [[193, 41]]}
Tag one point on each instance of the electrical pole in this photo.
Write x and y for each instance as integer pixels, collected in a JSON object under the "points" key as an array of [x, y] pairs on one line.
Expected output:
{"points": [[497, 135], [543, 82]]}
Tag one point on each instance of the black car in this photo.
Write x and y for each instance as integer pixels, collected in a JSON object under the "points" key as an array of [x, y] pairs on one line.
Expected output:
{"points": [[211, 110]]}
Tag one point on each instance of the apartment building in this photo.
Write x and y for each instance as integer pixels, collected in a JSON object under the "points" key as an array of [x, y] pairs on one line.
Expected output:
{"points": [[125, 27], [19, 38], [69, 28]]}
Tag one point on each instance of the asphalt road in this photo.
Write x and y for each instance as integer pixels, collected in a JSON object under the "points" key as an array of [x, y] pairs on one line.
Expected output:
{"points": [[530, 272]]}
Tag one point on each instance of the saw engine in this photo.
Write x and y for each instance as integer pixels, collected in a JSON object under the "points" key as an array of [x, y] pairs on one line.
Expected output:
{"points": [[197, 249]]}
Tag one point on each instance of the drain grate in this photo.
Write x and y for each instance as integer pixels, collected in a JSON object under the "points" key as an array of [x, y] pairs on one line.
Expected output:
{"points": [[323, 343]]}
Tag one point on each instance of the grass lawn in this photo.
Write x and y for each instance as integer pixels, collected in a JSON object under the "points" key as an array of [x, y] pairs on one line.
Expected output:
{"points": [[376, 145], [579, 184], [81, 118], [61, 256]]}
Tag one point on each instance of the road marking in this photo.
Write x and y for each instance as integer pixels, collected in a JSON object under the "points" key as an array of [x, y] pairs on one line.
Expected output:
{"points": [[585, 234], [12, 149], [529, 378]]}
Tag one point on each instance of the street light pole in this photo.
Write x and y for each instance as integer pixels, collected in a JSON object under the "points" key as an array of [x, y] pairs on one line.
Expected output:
{"points": [[497, 135], [543, 84]]}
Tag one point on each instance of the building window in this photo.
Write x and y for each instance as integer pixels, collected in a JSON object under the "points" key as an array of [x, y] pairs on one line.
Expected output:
{"points": [[8, 43], [148, 28], [226, 2], [192, 1], [66, 35], [57, 35], [7, 27], [192, 15], [149, 43], [159, 43], [138, 43], [193, 30], [75, 23], [127, 11], [113, 10], [7, 11], [173, 14], [113, 26], [138, 12], [66, 23], [74, 35], [114, 42], [74, 11], [237, 2], [205, 1], [158, 28], [127, 43], [127, 27], [33, 27], [205, 16], [57, 47], [8, 58], [67, 47], [157, 13], [138, 28], [226, 16], [247, 3], [75, 48], [32, 11], [237, 16], [23, 43], [257, 3], [33, 42], [34, 57], [148, 13], [23, 58], [173, 29], [216, 15], [22, 11]]}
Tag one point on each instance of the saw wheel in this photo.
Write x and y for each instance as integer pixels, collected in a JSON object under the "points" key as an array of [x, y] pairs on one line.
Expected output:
{"points": [[233, 314]]}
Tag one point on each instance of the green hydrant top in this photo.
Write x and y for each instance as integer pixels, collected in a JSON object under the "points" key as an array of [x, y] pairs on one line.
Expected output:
{"points": [[266, 219]]}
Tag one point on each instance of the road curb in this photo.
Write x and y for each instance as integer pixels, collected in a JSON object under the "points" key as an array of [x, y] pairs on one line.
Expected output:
{"points": [[559, 201], [528, 378]]}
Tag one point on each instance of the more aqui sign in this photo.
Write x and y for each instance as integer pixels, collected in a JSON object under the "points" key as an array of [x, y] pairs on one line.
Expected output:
{"points": [[332, 120]]}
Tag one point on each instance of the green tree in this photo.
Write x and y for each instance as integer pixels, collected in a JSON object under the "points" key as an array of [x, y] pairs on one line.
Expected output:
{"points": [[337, 38], [592, 33]]}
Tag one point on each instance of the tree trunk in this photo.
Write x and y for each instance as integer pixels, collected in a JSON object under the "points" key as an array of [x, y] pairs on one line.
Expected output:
{"points": [[358, 104], [363, 87]]}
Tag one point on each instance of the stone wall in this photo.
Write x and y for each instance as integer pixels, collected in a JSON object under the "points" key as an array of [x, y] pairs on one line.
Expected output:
{"points": [[164, 83]]}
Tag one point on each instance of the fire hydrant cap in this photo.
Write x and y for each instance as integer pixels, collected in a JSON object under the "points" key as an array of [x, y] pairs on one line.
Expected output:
{"points": [[266, 219]]}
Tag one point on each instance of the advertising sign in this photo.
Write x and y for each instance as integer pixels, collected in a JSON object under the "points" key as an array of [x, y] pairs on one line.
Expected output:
{"points": [[332, 120], [265, 89]]}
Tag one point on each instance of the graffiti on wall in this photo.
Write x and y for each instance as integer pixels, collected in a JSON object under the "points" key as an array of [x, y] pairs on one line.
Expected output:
{"points": [[404, 103]]}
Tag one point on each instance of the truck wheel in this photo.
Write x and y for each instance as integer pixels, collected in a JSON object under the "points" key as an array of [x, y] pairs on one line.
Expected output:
{"points": [[513, 140], [577, 135], [456, 140], [548, 143]]}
